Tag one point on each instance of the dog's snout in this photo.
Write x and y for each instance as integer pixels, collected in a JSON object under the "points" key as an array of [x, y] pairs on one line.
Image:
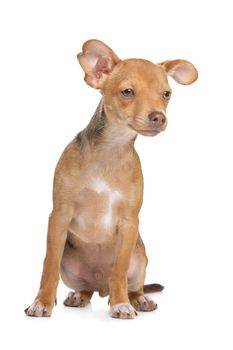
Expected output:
{"points": [[158, 120]]}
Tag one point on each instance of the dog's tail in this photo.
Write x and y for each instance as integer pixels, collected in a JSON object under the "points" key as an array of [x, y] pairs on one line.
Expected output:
{"points": [[152, 288]]}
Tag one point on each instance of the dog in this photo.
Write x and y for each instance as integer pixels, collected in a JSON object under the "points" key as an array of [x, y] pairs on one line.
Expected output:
{"points": [[93, 237]]}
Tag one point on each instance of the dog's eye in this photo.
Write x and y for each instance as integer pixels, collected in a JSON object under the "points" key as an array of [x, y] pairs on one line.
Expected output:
{"points": [[167, 95], [127, 92]]}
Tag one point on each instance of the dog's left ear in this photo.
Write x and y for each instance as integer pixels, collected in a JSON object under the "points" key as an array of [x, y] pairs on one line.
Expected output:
{"points": [[97, 60], [182, 71]]}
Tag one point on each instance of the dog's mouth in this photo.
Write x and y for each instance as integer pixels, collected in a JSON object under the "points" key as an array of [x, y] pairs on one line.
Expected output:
{"points": [[148, 132], [145, 132]]}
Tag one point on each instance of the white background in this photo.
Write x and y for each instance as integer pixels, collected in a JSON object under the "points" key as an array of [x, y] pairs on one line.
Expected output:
{"points": [[186, 220]]}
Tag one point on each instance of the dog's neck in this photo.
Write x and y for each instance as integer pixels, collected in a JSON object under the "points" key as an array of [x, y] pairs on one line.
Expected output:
{"points": [[106, 133]]}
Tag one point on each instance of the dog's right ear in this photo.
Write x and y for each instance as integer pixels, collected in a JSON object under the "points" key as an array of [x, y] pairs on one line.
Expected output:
{"points": [[97, 60]]}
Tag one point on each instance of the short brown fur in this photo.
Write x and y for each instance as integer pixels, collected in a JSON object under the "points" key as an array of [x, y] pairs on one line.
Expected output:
{"points": [[93, 239]]}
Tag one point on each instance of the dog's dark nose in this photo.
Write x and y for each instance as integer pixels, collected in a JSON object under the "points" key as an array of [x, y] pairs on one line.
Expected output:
{"points": [[158, 120]]}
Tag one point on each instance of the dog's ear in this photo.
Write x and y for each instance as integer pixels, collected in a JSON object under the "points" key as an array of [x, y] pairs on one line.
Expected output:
{"points": [[97, 60], [182, 71]]}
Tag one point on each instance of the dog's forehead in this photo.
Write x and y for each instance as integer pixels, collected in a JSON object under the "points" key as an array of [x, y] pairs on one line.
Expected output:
{"points": [[139, 70], [139, 63]]}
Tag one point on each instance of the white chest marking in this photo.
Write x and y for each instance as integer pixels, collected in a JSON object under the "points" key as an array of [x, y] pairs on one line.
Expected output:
{"points": [[113, 196]]}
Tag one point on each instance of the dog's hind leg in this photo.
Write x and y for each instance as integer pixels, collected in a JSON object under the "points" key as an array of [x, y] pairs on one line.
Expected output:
{"points": [[141, 302], [78, 299]]}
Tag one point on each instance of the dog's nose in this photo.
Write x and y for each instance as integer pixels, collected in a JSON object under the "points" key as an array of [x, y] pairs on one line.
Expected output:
{"points": [[158, 120]]}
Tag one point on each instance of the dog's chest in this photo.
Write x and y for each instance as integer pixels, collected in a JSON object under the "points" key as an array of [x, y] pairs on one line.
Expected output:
{"points": [[97, 211]]}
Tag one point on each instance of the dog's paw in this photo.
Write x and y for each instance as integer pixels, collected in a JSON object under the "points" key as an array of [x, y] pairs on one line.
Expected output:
{"points": [[144, 303], [38, 309], [76, 299], [123, 311]]}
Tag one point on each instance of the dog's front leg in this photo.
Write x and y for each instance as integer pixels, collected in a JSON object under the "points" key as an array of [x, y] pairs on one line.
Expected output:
{"points": [[118, 283], [57, 232]]}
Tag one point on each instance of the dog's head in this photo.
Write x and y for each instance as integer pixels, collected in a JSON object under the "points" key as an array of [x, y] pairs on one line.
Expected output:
{"points": [[135, 91]]}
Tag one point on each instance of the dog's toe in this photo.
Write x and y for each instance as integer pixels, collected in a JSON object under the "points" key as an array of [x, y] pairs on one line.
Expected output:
{"points": [[144, 303], [38, 309], [76, 299], [123, 311]]}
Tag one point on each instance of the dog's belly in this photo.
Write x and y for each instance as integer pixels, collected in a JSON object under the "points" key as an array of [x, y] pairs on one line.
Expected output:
{"points": [[88, 266], [96, 216]]}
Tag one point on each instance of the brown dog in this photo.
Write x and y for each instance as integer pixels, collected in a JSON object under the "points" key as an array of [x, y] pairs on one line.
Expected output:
{"points": [[93, 238]]}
